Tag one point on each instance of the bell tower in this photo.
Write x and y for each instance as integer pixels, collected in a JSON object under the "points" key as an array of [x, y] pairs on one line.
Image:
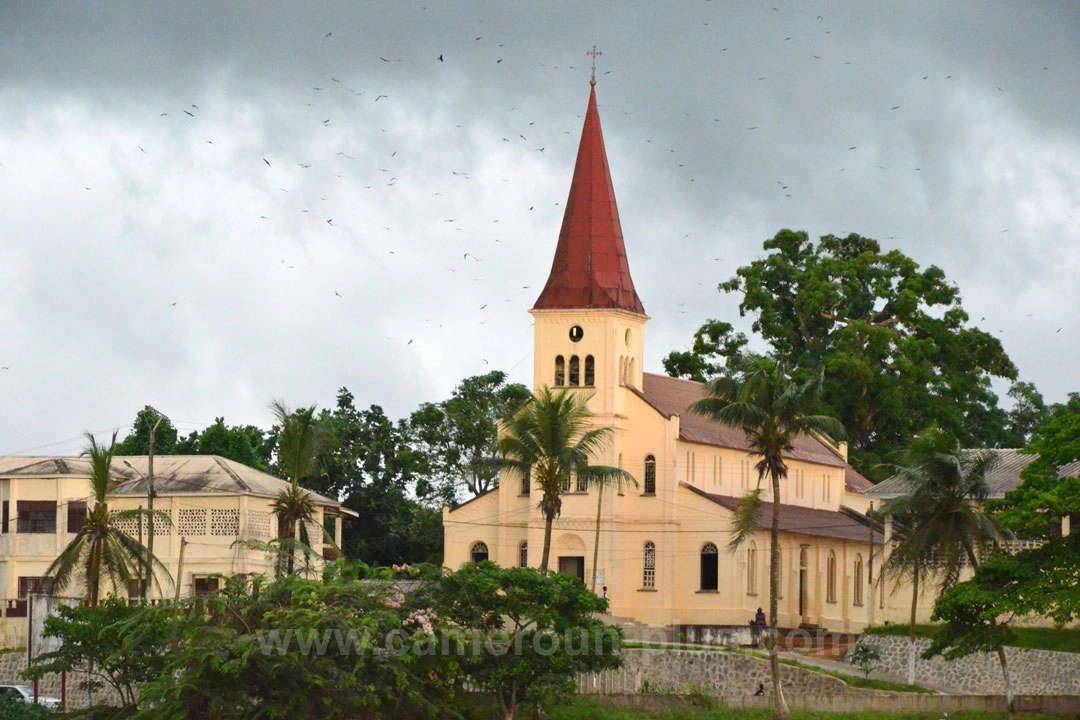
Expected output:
{"points": [[589, 321]]}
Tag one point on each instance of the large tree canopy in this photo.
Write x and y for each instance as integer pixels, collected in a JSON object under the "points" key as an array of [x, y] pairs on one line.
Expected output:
{"points": [[892, 339], [459, 436]]}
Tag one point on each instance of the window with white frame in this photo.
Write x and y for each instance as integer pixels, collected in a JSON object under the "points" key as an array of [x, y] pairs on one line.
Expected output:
{"points": [[648, 578]]}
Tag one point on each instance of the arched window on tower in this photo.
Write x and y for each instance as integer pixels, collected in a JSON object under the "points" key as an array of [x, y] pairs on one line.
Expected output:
{"points": [[526, 481], [650, 475], [560, 371], [710, 567], [479, 552], [575, 371], [590, 371], [523, 555], [648, 578]]}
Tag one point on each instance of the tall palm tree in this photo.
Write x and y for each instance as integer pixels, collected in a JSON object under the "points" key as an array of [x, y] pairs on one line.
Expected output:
{"points": [[942, 521], [553, 437], [101, 552], [773, 410], [299, 441]]}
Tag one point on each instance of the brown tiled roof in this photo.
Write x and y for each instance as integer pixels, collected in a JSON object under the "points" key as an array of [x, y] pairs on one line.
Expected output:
{"points": [[673, 396], [801, 520], [590, 269]]}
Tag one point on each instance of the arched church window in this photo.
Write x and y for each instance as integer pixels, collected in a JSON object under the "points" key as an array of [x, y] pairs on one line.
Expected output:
{"points": [[650, 475], [523, 555], [751, 568], [590, 371], [575, 371], [526, 481], [710, 567], [830, 578], [560, 371], [857, 582], [648, 578], [479, 552]]}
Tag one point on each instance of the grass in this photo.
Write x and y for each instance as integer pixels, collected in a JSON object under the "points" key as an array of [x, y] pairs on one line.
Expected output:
{"points": [[1034, 638], [583, 709]]}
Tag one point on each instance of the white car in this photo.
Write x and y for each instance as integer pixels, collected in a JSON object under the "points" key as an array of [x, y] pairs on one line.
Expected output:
{"points": [[26, 694]]}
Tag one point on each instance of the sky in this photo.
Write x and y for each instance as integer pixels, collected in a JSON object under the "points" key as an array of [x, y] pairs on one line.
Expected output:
{"points": [[207, 206]]}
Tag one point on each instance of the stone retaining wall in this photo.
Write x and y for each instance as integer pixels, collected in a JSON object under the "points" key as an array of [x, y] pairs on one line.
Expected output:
{"points": [[13, 663], [1032, 672], [666, 672]]}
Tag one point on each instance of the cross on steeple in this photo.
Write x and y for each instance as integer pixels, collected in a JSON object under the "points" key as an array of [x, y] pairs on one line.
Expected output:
{"points": [[594, 53]]}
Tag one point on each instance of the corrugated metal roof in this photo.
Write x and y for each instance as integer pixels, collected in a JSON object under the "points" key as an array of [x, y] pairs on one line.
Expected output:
{"points": [[590, 269], [173, 475], [673, 396], [801, 520], [1003, 477]]}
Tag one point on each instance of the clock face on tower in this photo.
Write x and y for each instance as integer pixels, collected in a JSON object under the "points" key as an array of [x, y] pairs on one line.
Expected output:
{"points": [[576, 333]]}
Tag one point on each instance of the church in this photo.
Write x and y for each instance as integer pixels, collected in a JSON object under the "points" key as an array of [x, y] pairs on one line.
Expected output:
{"points": [[663, 545]]}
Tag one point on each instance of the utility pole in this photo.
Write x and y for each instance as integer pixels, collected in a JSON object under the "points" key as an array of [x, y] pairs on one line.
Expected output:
{"points": [[870, 572]]}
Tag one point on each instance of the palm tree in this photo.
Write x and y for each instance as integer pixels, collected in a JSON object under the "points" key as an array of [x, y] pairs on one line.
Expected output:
{"points": [[100, 551], [299, 441], [942, 518], [553, 437], [773, 410]]}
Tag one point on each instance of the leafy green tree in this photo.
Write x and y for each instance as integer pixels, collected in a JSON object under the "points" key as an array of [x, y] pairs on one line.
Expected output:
{"points": [[772, 410], [717, 349], [1037, 506], [943, 522], [118, 645], [138, 442], [459, 436], [553, 437], [891, 338], [245, 444], [1028, 413], [348, 645], [373, 469], [101, 552], [976, 615], [538, 630]]}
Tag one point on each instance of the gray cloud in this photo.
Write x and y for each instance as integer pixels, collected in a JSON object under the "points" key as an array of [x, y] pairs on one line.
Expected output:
{"points": [[723, 122]]}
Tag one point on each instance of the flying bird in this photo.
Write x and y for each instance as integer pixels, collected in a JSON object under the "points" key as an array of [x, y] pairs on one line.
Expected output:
{"points": [[380, 97], [440, 58], [189, 113], [267, 162]]}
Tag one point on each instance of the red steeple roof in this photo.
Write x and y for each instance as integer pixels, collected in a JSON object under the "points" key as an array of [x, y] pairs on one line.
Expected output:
{"points": [[590, 268]]}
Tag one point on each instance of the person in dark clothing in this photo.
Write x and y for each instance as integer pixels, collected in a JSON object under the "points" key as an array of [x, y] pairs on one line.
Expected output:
{"points": [[760, 689], [760, 621]]}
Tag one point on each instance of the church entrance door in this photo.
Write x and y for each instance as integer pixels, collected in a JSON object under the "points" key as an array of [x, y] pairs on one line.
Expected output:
{"points": [[573, 565]]}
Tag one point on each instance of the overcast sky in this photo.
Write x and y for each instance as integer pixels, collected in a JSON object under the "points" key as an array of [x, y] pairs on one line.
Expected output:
{"points": [[204, 206]]}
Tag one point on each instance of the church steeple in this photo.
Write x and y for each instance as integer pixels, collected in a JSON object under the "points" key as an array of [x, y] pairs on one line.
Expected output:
{"points": [[590, 269]]}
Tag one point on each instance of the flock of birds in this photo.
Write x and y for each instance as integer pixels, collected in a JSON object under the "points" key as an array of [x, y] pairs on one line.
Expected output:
{"points": [[373, 167]]}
